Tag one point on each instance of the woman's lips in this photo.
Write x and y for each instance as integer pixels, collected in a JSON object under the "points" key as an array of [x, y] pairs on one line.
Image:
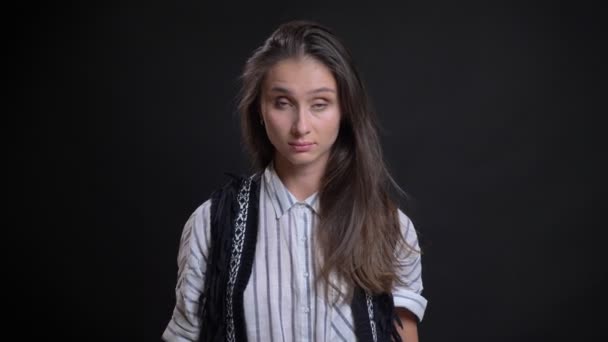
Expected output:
{"points": [[301, 146]]}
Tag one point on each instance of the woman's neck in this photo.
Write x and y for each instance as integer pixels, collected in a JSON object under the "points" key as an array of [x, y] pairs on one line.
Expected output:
{"points": [[301, 181]]}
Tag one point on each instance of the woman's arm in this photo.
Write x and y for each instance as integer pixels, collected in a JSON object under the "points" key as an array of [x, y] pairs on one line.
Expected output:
{"points": [[409, 331], [410, 305], [185, 324]]}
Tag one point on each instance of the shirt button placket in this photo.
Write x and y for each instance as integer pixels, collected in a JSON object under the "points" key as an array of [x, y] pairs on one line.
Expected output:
{"points": [[300, 214]]}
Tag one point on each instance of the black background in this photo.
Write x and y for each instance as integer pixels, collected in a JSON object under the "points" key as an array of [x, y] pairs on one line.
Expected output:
{"points": [[491, 119]]}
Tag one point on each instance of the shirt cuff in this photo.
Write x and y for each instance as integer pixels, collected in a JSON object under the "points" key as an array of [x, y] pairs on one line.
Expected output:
{"points": [[411, 301]]}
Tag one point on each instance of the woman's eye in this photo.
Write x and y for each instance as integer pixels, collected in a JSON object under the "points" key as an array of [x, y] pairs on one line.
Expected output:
{"points": [[319, 106], [282, 104]]}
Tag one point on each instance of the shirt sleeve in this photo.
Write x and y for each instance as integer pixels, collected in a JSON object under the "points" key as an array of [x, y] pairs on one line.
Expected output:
{"points": [[409, 269], [192, 264]]}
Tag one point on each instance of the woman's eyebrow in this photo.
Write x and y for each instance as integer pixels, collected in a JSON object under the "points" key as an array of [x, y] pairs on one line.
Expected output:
{"points": [[280, 89]]}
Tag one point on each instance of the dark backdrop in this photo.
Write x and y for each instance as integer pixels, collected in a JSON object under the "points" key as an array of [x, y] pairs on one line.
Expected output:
{"points": [[491, 122]]}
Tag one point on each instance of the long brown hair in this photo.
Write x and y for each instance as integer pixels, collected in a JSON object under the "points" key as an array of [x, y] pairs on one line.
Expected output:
{"points": [[358, 229]]}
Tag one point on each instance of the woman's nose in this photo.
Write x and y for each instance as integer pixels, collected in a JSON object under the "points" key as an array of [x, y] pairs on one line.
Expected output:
{"points": [[301, 124]]}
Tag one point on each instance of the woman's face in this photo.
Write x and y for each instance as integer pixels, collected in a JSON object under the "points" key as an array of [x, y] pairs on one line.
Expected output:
{"points": [[301, 112]]}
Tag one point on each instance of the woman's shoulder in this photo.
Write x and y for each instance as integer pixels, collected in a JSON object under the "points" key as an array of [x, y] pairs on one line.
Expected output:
{"points": [[202, 209], [408, 230], [404, 219], [234, 182], [199, 217], [228, 189]]}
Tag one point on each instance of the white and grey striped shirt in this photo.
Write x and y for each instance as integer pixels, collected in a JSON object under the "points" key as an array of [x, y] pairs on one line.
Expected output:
{"points": [[281, 301]]}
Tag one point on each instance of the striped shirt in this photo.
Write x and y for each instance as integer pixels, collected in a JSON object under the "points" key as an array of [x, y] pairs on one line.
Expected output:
{"points": [[281, 300]]}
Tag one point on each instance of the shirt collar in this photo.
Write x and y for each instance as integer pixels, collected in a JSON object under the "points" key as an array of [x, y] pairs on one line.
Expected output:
{"points": [[282, 200]]}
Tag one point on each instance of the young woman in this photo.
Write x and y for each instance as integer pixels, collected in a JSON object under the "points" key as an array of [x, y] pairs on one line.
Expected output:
{"points": [[311, 247]]}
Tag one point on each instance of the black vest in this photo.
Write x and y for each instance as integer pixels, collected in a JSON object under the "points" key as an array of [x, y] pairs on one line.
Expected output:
{"points": [[234, 228]]}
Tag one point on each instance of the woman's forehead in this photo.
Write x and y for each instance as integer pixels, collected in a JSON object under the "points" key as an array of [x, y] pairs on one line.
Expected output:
{"points": [[302, 76]]}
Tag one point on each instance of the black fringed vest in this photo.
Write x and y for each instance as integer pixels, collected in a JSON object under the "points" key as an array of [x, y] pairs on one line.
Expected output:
{"points": [[234, 228]]}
